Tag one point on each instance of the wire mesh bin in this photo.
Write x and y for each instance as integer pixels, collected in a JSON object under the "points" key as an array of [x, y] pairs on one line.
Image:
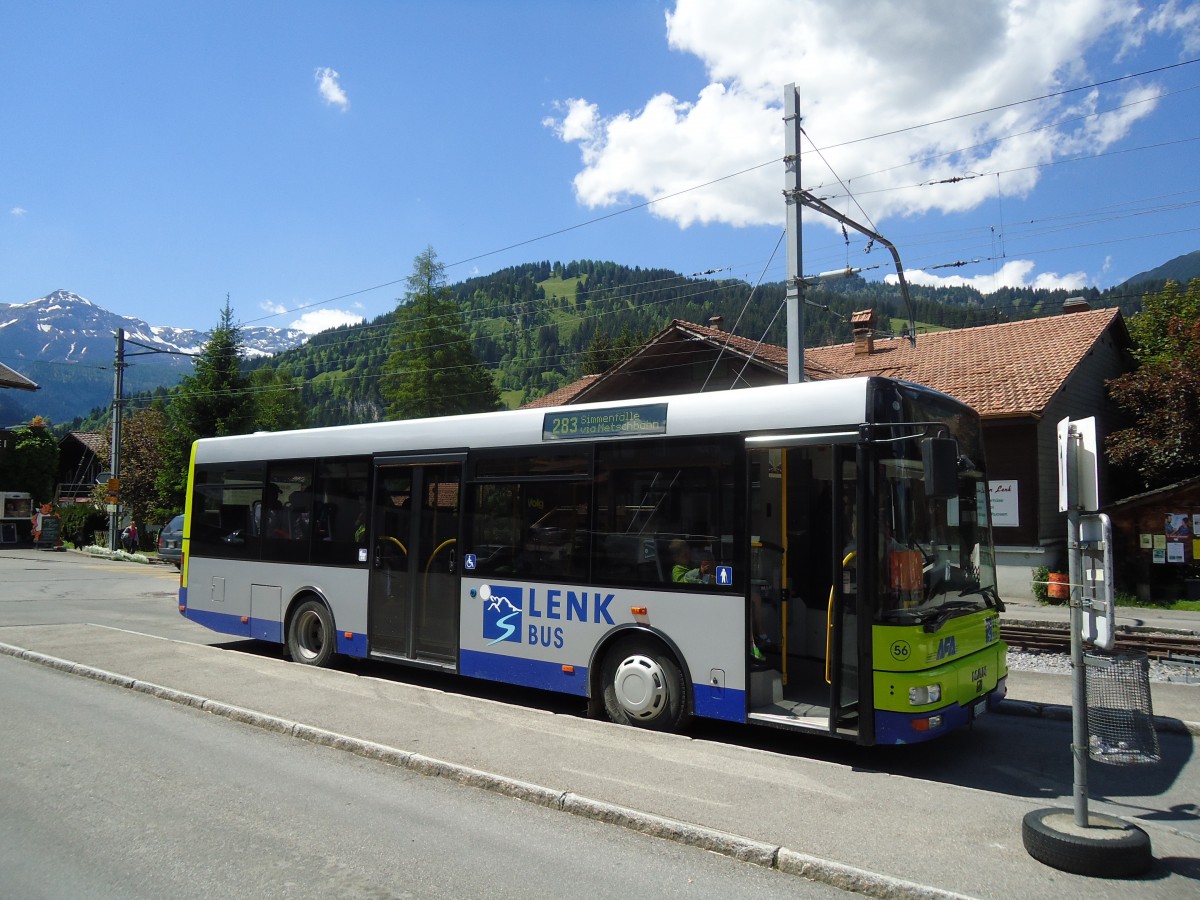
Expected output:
{"points": [[1120, 712]]}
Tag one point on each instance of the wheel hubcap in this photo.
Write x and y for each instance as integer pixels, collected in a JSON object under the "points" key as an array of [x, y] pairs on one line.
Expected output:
{"points": [[309, 632], [640, 685]]}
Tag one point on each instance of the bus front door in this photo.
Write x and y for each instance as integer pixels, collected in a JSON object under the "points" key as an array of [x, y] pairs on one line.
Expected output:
{"points": [[803, 609], [412, 605]]}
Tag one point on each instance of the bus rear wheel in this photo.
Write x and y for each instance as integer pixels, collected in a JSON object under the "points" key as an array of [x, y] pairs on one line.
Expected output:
{"points": [[310, 637], [643, 686]]}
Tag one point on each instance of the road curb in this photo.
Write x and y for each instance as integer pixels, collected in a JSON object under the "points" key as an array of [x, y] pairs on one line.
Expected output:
{"points": [[744, 849]]}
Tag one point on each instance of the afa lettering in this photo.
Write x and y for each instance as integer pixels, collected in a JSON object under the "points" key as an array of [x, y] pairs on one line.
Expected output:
{"points": [[546, 636], [946, 648], [577, 606]]}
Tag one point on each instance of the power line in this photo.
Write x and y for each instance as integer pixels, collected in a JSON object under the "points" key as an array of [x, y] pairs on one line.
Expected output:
{"points": [[647, 203]]}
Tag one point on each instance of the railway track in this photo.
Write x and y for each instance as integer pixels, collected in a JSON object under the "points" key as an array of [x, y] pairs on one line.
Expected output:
{"points": [[1048, 639]]}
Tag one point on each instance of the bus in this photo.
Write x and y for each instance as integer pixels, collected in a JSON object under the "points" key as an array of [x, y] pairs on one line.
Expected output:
{"points": [[814, 557]]}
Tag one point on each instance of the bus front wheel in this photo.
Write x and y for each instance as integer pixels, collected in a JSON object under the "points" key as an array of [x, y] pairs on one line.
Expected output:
{"points": [[310, 635], [643, 686]]}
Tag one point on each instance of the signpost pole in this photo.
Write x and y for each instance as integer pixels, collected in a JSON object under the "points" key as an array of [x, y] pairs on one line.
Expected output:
{"points": [[114, 516]]}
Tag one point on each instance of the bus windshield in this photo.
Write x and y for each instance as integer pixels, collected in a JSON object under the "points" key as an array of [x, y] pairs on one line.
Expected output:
{"points": [[935, 558]]}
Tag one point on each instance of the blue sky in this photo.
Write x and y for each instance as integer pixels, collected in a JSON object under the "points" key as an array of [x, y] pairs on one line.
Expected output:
{"points": [[298, 155]]}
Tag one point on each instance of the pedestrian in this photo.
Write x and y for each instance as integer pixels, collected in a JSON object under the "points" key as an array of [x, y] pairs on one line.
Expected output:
{"points": [[129, 537]]}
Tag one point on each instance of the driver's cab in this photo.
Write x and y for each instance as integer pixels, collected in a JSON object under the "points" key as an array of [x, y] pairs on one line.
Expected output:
{"points": [[845, 536]]}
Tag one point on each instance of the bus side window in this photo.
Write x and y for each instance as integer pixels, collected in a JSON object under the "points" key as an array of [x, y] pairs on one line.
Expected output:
{"points": [[338, 522], [655, 495], [534, 528]]}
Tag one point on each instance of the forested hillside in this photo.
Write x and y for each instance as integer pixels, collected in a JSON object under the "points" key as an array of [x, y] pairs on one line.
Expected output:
{"points": [[541, 325]]}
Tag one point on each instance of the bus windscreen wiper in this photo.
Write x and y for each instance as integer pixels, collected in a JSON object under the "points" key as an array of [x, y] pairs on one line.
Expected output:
{"points": [[936, 618]]}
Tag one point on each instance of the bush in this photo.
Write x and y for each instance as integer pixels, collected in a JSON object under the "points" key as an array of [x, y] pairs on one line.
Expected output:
{"points": [[80, 521], [1041, 589]]}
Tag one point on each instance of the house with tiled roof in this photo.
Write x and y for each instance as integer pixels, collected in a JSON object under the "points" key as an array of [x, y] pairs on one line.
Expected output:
{"points": [[1023, 378], [79, 465]]}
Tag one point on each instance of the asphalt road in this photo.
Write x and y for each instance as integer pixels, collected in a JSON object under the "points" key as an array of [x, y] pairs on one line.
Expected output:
{"points": [[109, 793]]}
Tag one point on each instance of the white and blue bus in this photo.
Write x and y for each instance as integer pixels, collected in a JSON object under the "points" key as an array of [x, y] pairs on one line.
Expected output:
{"points": [[815, 557]]}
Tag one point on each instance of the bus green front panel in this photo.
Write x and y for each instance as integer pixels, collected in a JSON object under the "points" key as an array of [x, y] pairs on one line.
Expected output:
{"points": [[909, 648], [961, 681]]}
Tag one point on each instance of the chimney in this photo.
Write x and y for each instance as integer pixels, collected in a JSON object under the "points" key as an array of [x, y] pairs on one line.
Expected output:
{"points": [[863, 322], [715, 322], [1075, 304]]}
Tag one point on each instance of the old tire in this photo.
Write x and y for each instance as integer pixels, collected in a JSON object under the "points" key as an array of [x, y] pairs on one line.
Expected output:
{"points": [[1107, 848], [643, 686], [310, 638]]}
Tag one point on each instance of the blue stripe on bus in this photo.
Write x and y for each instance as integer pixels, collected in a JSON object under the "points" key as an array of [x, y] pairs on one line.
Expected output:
{"points": [[221, 622], [533, 673], [225, 623], [354, 645], [711, 703]]}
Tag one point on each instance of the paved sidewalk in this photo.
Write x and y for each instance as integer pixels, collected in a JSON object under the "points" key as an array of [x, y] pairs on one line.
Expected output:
{"points": [[884, 835]]}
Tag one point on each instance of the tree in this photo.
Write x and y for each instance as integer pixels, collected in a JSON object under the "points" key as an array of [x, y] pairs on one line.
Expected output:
{"points": [[31, 464], [278, 403], [599, 355], [1163, 395], [431, 369], [141, 440], [212, 401]]}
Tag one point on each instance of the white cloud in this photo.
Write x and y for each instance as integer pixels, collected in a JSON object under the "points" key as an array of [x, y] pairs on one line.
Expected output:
{"points": [[860, 75], [330, 89], [275, 309], [1177, 17], [1014, 273], [317, 320], [18, 211]]}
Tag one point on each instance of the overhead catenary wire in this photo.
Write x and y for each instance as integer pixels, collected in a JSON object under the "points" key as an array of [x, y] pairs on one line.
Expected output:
{"points": [[646, 203]]}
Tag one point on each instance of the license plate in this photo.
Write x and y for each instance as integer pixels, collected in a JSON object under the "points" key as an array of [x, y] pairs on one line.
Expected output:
{"points": [[980, 708]]}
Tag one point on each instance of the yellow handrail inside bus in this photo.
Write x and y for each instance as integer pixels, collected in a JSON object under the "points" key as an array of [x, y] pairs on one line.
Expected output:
{"points": [[388, 537], [436, 551], [829, 620], [425, 581]]}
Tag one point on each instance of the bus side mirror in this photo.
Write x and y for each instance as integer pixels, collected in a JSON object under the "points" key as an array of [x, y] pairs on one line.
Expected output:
{"points": [[939, 456]]}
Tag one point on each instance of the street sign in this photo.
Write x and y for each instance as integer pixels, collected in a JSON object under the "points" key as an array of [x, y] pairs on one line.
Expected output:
{"points": [[1096, 544], [103, 477], [1066, 466], [1078, 480]]}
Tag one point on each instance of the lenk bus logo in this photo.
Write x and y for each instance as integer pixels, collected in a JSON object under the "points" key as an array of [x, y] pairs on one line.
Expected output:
{"points": [[504, 608], [502, 613]]}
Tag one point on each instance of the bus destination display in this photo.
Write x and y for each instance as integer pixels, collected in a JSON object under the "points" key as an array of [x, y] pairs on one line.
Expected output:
{"points": [[617, 421]]}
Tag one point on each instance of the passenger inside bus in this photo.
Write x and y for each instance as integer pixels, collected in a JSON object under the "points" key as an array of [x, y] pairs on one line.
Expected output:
{"points": [[691, 566]]}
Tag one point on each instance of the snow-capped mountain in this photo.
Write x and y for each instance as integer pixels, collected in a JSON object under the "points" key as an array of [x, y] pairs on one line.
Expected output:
{"points": [[67, 345], [63, 327]]}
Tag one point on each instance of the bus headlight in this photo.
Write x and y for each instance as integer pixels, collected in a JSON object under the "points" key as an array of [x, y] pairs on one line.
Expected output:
{"points": [[924, 695]]}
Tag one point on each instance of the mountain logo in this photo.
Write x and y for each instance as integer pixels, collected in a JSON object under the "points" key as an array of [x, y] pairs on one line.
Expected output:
{"points": [[502, 612]]}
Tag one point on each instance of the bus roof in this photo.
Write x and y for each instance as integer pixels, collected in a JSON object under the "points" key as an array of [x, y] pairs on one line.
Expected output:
{"points": [[835, 405]]}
